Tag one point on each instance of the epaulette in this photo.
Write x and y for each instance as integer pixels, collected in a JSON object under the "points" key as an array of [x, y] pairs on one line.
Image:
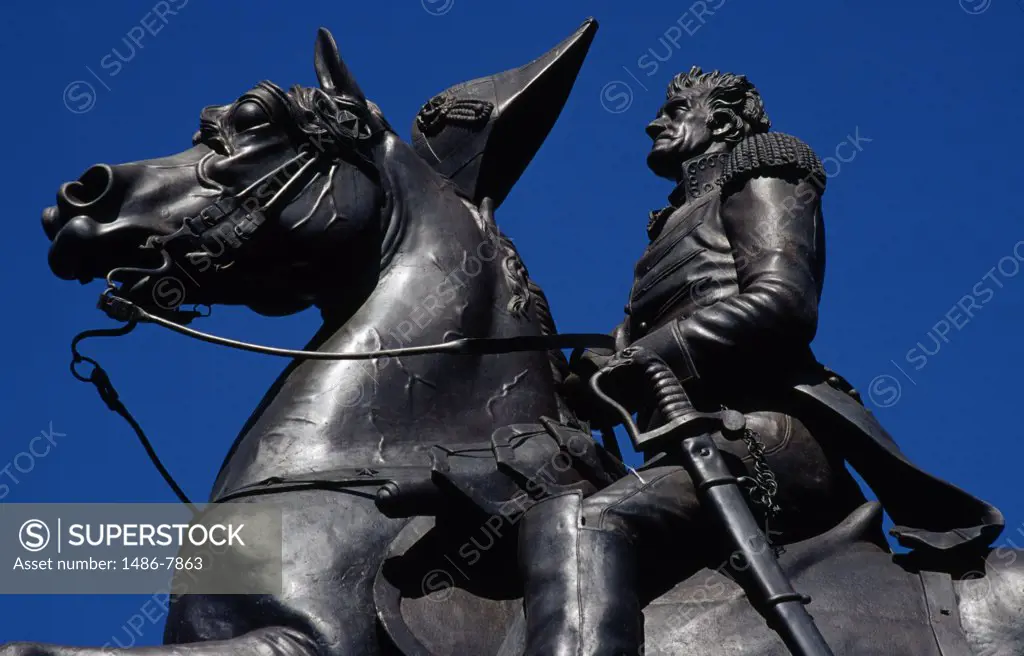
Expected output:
{"points": [[772, 154]]}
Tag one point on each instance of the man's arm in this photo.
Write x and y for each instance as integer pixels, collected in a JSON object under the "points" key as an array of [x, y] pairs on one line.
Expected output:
{"points": [[773, 227]]}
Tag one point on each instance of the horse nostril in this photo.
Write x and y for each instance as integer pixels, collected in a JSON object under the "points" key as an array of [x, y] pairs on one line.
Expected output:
{"points": [[90, 189]]}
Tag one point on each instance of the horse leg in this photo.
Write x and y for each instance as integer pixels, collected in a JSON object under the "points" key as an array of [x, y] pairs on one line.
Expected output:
{"points": [[333, 543]]}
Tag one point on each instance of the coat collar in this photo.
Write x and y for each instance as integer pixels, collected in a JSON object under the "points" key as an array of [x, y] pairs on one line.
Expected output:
{"points": [[701, 176]]}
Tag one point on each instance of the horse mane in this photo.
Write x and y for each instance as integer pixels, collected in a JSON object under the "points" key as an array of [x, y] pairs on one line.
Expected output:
{"points": [[526, 294]]}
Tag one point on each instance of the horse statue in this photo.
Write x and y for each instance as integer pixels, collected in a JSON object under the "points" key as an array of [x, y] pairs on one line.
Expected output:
{"points": [[396, 540]]}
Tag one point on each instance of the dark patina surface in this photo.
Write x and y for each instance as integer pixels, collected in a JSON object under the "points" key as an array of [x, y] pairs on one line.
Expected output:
{"points": [[390, 469]]}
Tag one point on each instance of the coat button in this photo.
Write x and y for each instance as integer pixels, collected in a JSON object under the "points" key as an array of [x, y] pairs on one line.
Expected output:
{"points": [[643, 325]]}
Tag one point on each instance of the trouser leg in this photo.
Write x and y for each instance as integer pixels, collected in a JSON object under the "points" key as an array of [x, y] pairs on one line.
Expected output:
{"points": [[579, 561], [653, 508], [580, 592]]}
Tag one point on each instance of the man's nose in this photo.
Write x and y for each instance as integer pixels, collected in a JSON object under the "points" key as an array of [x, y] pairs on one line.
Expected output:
{"points": [[92, 194], [655, 127]]}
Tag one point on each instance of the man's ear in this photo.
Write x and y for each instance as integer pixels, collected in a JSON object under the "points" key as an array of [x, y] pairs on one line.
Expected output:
{"points": [[725, 125]]}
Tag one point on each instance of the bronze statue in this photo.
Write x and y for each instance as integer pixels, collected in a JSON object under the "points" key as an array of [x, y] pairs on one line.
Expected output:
{"points": [[727, 294], [423, 430]]}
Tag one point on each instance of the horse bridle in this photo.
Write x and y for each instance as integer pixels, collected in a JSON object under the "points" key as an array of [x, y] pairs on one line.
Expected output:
{"points": [[349, 127], [362, 127]]}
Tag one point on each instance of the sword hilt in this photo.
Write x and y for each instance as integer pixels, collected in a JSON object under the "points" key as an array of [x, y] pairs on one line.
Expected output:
{"points": [[669, 395], [681, 418]]}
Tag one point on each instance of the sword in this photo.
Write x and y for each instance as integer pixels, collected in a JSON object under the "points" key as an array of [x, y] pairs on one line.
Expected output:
{"points": [[686, 436]]}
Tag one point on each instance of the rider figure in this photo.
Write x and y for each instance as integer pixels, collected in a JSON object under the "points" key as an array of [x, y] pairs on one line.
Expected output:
{"points": [[727, 294]]}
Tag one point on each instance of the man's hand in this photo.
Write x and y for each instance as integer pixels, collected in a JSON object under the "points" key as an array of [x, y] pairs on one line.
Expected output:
{"points": [[619, 380], [576, 388], [623, 378], [587, 362]]}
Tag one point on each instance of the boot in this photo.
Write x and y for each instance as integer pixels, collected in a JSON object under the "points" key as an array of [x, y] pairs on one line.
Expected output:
{"points": [[580, 595]]}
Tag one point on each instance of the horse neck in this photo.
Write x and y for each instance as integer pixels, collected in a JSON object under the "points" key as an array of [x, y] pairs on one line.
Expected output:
{"points": [[441, 278]]}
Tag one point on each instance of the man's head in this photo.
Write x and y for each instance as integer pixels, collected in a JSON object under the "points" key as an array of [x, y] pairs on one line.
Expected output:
{"points": [[703, 112]]}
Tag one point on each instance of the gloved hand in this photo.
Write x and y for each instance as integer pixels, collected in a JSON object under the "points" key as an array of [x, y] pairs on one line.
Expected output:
{"points": [[619, 382], [576, 388], [587, 362], [624, 379]]}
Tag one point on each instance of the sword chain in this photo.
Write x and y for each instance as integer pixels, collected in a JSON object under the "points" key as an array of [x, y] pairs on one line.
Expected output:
{"points": [[762, 486], [765, 486]]}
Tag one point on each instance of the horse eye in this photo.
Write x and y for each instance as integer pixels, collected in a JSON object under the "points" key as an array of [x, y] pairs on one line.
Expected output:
{"points": [[249, 115]]}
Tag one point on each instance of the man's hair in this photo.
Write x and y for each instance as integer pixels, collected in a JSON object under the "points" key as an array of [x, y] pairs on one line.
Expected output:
{"points": [[729, 93]]}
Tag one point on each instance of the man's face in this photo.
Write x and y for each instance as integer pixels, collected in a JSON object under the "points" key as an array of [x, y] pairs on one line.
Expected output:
{"points": [[679, 132]]}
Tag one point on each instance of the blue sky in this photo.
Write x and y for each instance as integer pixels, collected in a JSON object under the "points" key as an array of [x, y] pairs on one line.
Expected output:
{"points": [[923, 296]]}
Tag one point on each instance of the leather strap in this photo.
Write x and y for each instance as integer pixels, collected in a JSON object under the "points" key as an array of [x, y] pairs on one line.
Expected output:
{"points": [[944, 614], [122, 309]]}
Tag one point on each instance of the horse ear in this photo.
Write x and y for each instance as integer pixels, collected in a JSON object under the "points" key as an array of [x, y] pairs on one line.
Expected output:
{"points": [[331, 71]]}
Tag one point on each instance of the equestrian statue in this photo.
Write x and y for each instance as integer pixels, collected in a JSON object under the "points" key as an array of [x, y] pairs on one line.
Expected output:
{"points": [[431, 448]]}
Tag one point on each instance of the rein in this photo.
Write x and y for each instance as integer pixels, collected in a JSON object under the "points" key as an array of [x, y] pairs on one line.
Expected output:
{"points": [[122, 309]]}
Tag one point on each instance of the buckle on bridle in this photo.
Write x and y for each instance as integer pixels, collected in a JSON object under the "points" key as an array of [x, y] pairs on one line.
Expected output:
{"points": [[116, 307], [121, 309]]}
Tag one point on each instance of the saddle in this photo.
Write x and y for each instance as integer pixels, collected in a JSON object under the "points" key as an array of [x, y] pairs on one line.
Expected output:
{"points": [[520, 465], [455, 552]]}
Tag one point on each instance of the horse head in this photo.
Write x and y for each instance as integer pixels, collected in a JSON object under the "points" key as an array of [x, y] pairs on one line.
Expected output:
{"points": [[279, 192]]}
